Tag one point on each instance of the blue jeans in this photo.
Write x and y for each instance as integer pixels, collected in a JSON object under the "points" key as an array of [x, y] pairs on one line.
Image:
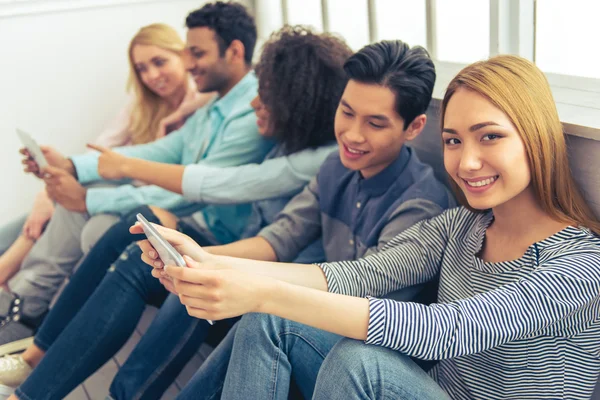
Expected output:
{"points": [[268, 351], [98, 331], [207, 382], [88, 276], [169, 343], [354, 370]]}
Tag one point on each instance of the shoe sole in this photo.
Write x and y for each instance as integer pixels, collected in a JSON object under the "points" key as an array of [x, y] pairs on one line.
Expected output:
{"points": [[17, 346]]}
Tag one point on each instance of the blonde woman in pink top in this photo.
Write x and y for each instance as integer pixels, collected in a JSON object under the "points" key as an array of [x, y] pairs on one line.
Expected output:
{"points": [[163, 96]]}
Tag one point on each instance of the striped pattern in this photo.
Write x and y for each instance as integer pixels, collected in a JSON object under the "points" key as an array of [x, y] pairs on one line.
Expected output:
{"points": [[523, 329]]}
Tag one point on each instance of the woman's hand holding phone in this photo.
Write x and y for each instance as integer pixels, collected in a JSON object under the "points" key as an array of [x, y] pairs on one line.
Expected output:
{"points": [[213, 292]]}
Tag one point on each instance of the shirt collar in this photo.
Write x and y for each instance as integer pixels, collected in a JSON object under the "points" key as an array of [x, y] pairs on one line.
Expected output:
{"points": [[225, 104], [381, 182]]}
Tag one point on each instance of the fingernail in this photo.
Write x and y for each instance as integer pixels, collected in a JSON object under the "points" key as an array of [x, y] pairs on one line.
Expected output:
{"points": [[152, 253], [163, 273], [157, 264]]}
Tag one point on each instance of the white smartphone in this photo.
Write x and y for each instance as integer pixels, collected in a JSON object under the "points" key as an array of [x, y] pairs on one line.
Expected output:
{"points": [[34, 149], [167, 253]]}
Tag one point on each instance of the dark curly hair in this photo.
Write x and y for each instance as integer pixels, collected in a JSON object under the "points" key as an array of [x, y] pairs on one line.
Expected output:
{"points": [[230, 21], [406, 71], [301, 79]]}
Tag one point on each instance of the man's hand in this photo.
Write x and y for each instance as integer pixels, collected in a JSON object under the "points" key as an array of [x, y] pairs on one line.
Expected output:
{"points": [[170, 122], [54, 158], [65, 189], [111, 165]]}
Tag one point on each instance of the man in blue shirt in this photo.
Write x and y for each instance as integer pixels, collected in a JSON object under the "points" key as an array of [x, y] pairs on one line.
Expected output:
{"points": [[220, 40]]}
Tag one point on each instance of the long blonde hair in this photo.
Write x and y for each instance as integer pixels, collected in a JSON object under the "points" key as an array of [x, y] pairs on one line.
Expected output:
{"points": [[520, 90], [149, 108]]}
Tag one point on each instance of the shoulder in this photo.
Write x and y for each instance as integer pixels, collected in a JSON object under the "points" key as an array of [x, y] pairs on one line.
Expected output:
{"points": [[333, 173], [460, 223], [424, 184], [573, 251]]}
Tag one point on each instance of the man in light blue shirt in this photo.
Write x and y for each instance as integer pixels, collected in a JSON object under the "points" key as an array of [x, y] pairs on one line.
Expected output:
{"points": [[223, 133]]}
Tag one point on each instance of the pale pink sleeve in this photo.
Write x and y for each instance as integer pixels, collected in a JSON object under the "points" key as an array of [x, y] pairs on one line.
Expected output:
{"points": [[116, 133]]}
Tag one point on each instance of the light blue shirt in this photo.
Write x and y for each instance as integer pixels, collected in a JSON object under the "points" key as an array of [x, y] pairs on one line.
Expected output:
{"points": [[269, 186], [277, 176], [221, 134]]}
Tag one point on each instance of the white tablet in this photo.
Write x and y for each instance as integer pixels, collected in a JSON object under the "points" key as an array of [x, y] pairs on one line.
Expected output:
{"points": [[34, 149]]}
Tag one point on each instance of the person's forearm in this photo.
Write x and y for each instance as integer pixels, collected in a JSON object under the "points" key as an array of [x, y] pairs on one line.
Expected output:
{"points": [[10, 261], [307, 275], [257, 255], [255, 248], [167, 176], [344, 315]]}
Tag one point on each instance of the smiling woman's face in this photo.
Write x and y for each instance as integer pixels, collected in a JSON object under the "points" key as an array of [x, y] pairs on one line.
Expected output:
{"points": [[162, 71], [483, 152]]}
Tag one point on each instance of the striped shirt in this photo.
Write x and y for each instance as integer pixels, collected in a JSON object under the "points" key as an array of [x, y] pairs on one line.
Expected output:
{"points": [[522, 329]]}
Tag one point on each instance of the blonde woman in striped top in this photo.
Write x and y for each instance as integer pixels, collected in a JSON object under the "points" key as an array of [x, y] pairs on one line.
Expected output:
{"points": [[518, 311]]}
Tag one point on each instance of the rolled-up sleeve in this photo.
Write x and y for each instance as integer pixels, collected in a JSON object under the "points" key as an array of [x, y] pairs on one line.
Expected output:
{"points": [[297, 226]]}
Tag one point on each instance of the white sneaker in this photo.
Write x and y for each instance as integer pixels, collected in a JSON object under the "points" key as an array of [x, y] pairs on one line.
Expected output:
{"points": [[5, 392], [13, 371]]}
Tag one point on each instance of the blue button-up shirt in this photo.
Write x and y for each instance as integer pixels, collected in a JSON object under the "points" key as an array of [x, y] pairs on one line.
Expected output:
{"points": [[223, 133]]}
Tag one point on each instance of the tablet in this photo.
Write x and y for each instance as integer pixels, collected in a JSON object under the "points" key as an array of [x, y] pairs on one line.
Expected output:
{"points": [[34, 149]]}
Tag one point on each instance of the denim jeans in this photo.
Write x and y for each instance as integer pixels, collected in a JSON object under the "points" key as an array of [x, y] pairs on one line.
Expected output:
{"points": [[88, 276], [207, 382], [353, 370], [101, 328], [169, 343], [268, 351], [98, 331]]}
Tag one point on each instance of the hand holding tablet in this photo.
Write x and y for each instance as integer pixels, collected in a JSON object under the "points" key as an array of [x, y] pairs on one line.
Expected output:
{"points": [[33, 148]]}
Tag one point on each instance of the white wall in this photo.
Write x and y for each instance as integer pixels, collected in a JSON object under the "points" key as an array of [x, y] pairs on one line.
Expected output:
{"points": [[62, 79]]}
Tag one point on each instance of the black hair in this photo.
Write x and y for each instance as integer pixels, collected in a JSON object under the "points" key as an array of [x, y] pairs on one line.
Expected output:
{"points": [[406, 71], [230, 21], [301, 80]]}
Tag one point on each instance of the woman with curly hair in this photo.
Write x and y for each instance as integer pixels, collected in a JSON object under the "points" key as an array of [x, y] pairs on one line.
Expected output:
{"points": [[301, 80]]}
